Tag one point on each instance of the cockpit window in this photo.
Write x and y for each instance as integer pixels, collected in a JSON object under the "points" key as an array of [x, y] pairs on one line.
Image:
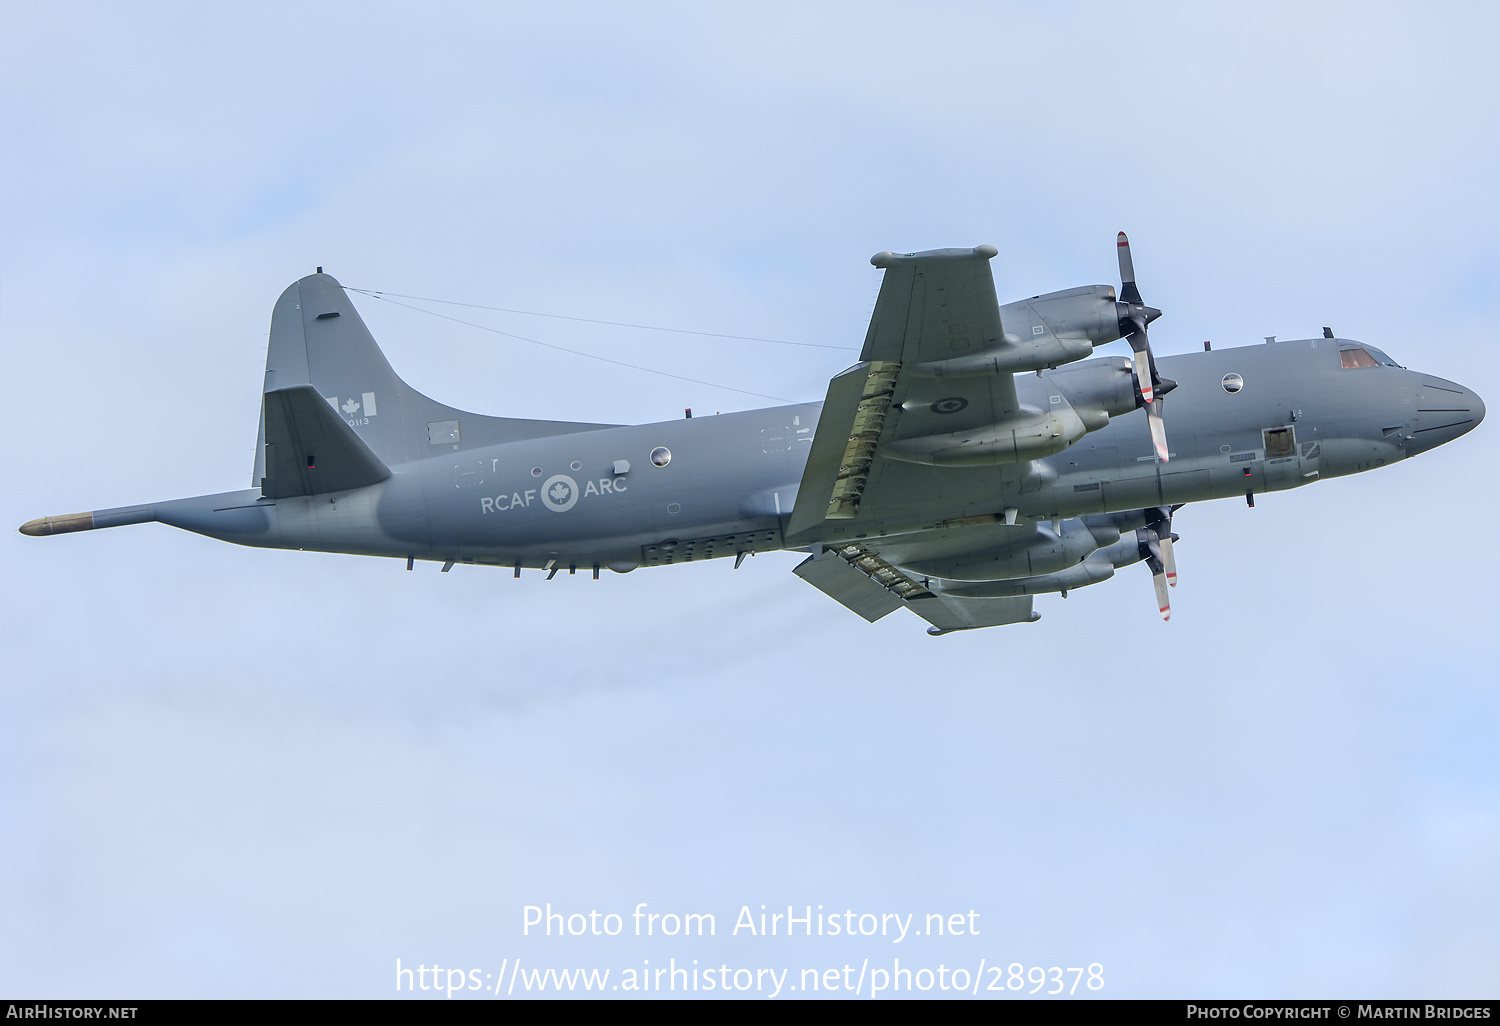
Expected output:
{"points": [[1356, 357]]}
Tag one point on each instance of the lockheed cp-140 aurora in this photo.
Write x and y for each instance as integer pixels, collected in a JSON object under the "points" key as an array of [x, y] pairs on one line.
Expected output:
{"points": [[976, 456]]}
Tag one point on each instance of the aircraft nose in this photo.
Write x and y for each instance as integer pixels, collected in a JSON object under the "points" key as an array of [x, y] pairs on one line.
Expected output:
{"points": [[1445, 410]]}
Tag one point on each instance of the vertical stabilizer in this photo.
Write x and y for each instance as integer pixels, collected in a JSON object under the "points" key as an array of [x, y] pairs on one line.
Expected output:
{"points": [[318, 339]]}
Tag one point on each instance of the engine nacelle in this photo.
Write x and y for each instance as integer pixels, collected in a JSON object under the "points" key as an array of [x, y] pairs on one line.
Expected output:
{"points": [[1125, 552], [1090, 312], [1090, 571], [1106, 384], [1038, 553], [1031, 435], [1042, 332]]}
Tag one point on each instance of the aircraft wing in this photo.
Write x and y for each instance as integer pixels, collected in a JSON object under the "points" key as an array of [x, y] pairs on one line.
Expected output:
{"points": [[961, 614], [933, 308], [857, 577]]}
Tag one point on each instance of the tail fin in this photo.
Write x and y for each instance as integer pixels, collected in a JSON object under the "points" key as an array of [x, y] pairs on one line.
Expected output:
{"points": [[318, 339]]}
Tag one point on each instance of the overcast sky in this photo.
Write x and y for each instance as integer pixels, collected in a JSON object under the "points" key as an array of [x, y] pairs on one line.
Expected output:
{"points": [[235, 772]]}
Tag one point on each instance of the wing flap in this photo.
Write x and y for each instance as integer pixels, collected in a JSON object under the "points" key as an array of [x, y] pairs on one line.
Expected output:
{"points": [[861, 580], [838, 467], [310, 449], [854, 590]]}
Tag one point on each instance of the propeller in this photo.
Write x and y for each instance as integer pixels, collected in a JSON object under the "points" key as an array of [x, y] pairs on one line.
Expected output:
{"points": [[1134, 316], [1155, 546], [1159, 519]]}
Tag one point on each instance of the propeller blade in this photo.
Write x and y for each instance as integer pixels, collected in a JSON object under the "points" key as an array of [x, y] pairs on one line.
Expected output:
{"points": [[1128, 292], [1155, 545], [1135, 314], [1162, 601], [1168, 560], [1141, 346], [1158, 429]]}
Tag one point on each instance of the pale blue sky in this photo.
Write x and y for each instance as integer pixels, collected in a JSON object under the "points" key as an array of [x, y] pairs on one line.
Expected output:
{"points": [[227, 771]]}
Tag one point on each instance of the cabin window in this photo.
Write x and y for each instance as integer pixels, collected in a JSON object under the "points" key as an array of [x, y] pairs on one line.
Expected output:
{"points": [[661, 456], [1232, 383], [1356, 359]]}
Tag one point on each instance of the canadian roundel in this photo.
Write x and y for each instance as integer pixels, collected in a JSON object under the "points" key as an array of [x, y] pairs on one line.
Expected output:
{"points": [[560, 493]]}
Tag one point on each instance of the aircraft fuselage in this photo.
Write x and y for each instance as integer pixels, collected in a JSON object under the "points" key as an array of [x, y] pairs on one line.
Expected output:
{"points": [[595, 498]]}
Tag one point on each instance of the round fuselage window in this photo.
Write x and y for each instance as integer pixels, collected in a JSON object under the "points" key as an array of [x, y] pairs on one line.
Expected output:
{"points": [[1233, 383], [661, 456]]}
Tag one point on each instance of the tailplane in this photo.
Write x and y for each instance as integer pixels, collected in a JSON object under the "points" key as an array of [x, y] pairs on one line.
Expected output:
{"points": [[310, 449], [318, 339]]}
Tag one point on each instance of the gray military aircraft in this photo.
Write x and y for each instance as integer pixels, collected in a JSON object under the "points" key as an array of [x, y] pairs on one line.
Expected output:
{"points": [[931, 477]]}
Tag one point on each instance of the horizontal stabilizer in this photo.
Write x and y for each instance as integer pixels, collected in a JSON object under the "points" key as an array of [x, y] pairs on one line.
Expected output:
{"points": [[311, 450]]}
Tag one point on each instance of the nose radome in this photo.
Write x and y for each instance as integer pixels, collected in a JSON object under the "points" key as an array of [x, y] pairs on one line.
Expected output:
{"points": [[1445, 411]]}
